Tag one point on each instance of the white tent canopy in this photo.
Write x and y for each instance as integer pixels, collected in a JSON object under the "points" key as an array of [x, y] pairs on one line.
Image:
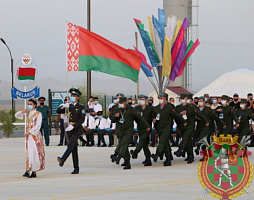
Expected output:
{"points": [[239, 81]]}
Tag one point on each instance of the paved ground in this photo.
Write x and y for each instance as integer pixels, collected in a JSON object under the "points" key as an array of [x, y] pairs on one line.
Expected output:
{"points": [[99, 179]]}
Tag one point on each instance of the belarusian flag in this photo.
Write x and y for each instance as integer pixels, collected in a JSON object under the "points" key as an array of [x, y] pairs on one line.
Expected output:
{"points": [[26, 73], [87, 51]]}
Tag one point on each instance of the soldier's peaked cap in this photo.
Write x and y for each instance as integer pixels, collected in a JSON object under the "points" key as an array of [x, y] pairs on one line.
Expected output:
{"points": [[225, 97], [122, 99], [182, 95], [162, 95], [75, 91], [243, 101], [142, 96], [41, 98]]}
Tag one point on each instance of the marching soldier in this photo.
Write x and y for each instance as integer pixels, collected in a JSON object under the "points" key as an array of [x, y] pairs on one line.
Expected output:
{"points": [[124, 118], [45, 111], [244, 114], [111, 114], [163, 115], [74, 130], [188, 112], [203, 130], [145, 111], [227, 115]]}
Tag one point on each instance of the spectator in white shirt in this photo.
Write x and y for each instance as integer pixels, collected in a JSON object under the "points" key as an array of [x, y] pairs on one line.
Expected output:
{"points": [[90, 103], [115, 101], [111, 130], [97, 107], [63, 126], [89, 128], [100, 125]]}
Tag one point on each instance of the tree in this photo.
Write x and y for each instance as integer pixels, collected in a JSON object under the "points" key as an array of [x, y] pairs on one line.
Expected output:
{"points": [[7, 119]]}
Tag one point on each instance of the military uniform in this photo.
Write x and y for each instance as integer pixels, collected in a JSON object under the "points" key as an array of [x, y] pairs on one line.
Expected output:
{"points": [[147, 114], [244, 115], [77, 116], [227, 115], [45, 111], [164, 119], [186, 144], [124, 127]]}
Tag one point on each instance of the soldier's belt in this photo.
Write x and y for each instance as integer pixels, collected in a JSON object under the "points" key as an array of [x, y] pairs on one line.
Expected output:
{"points": [[71, 123]]}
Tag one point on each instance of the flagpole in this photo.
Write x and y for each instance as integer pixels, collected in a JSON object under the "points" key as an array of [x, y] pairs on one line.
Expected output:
{"points": [[136, 37], [88, 28]]}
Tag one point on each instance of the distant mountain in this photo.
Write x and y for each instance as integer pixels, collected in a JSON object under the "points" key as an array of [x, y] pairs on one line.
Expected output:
{"points": [[108, 87]]}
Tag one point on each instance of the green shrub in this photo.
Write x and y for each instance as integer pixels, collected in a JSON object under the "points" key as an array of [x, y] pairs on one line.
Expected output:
{"points": [[7, 118]]}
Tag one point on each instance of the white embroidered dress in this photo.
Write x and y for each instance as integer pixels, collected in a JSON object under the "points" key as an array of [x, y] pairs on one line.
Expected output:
{"points": [[35, 155]]}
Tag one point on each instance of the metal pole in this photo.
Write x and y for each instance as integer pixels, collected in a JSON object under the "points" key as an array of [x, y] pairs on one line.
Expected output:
{"points": [[88, 28], [12, 85], [136, 37]]}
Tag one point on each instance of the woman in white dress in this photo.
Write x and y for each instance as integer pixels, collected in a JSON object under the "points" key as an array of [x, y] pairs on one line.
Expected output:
{"points": [[35, 154]]}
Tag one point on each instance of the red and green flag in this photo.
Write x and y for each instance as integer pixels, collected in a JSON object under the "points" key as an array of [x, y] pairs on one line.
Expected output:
{"points": [[87, 51], [26, 73]]}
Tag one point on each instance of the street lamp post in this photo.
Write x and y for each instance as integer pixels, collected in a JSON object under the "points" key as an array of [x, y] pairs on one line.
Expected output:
{"points": [[12, 80]]}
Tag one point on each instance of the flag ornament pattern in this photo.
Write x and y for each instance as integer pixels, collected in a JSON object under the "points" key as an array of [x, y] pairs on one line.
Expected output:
{"points": [[72, 47], [212, 175]]}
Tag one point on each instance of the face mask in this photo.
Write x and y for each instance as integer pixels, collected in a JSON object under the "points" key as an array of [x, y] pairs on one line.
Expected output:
{"points": [[188, 101], [142, 102], [30, 107], [96, 102], [133, 102], [196, 102], [182, 101], [130, 103], [42, 103], [88, 114], [72, 99], [115, 101], [121, 105], [214, 101], [205, 99], [223, 102], [100, 117], [160, 101], [242, 106], [139, 102], [200, 103], [150, 104]]}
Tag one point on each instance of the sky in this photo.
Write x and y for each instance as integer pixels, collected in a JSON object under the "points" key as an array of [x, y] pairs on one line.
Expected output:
{"points": [[225, 31]]}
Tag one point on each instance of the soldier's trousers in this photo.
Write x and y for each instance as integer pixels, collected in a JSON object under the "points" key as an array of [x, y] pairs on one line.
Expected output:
{"points": [[186, 143], [242, 132], [201, 132], [117, 150], [45, 130], [72, 147], [125, 138], [111, 136], [163, 146], [143, 143]]}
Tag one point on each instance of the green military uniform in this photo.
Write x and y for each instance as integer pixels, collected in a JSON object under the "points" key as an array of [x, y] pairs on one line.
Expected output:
{"points": [[191, 113], [227, 115], [45, 111], [164, 118], [244, 115], [124, 126], [147, 114]]}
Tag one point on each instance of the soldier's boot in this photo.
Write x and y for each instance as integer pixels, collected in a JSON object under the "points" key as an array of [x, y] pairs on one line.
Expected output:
{"points": [[124, 164], [148, 162], [60, 161], [167, 162], [178, 153], [161, 156], [118, 158], [128, 164], [183, 154], [155, 157], [190, 160], [134, 154], [171, 156], [197, 149], [113, 157], [144, 162]]}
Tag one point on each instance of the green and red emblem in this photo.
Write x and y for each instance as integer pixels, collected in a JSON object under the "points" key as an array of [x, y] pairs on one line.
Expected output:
{"points": [[225, 172]]}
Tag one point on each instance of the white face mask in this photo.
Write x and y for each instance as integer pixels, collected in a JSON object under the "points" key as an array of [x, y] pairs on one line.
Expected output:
{"points": [[200, 103], [133, 102], [115, 101], [121, 105], [182, 101], [142, 102], [242, 106], [139, 102], [160, 101], [223, 102], [188, 101]]}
